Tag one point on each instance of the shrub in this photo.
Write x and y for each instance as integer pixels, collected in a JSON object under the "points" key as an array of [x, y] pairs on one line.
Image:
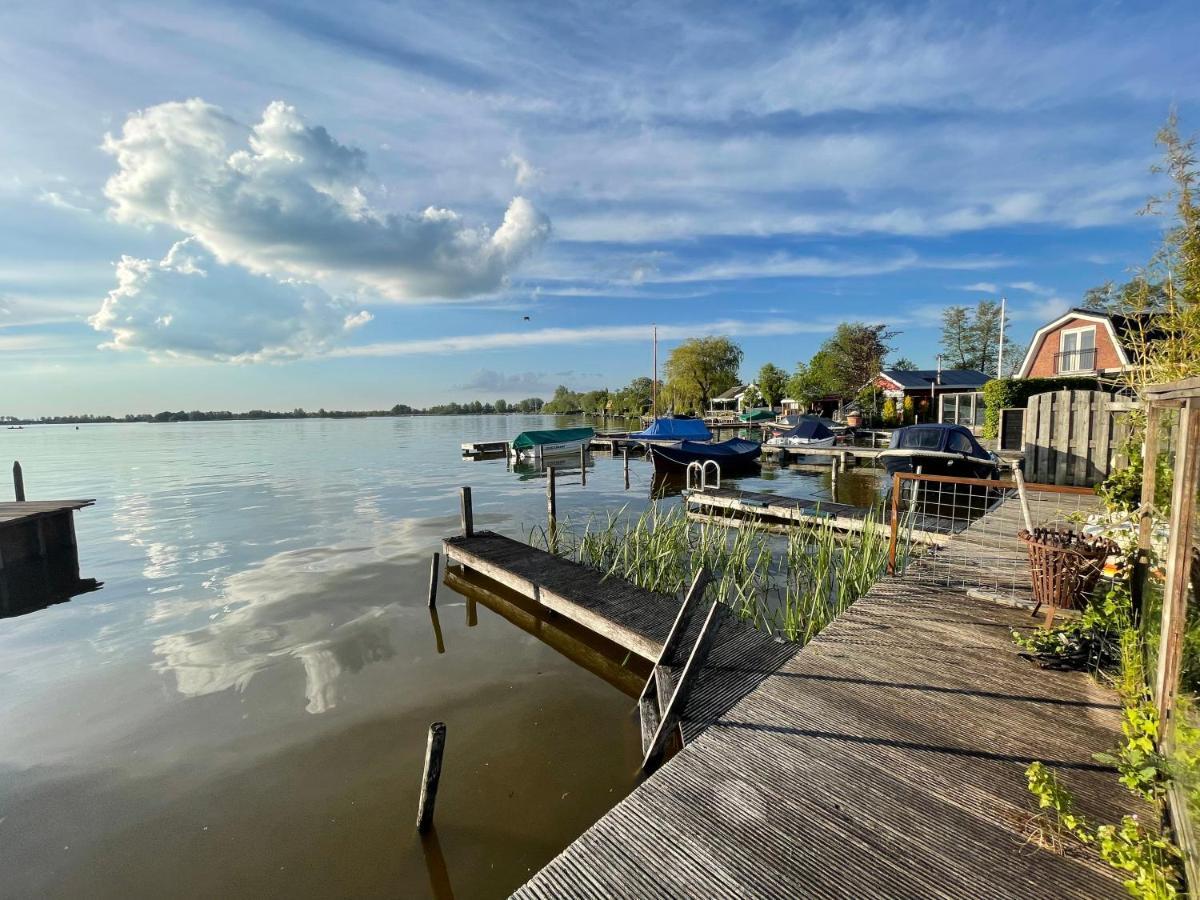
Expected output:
{"points": [[1009, 393], [890, 413], [910, 411]]}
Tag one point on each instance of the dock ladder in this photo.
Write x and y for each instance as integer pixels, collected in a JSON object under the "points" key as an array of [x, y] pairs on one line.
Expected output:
{"points": [[701, 473], [665, 696]]}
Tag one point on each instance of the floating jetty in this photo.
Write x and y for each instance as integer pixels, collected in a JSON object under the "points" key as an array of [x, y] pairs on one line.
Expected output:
{"points": [[885, 758]]}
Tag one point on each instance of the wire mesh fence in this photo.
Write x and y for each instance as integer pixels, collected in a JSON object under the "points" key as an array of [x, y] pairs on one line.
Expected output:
{"points": [[969, 529]]}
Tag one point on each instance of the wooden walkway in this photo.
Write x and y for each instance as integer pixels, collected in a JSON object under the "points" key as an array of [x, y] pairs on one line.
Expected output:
{"points": [[885, 759], [631, 617], [775, 512]]}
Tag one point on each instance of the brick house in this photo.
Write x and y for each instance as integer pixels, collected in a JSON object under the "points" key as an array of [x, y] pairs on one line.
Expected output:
{"points": [[1081, 342]]}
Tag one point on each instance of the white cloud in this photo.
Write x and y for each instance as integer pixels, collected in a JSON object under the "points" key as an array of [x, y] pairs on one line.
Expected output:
{"points": [[526, 383], [525, 172], [600, 333], [984, 287], [285, 198], [1032, 287], [188, 304]]}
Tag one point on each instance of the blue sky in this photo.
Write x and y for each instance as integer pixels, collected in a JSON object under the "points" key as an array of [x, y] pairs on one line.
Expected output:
{"points": [[225, 205]]}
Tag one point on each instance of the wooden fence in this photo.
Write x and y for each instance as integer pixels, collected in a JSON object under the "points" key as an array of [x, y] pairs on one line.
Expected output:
{"points": [[1075, 437]]}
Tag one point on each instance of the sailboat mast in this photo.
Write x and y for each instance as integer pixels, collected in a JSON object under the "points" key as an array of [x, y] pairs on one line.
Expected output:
{"points": [[1000, 352], [654, 378]]}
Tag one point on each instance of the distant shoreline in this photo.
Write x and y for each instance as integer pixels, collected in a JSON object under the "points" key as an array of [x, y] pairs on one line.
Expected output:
{"points": [[11, 423]]}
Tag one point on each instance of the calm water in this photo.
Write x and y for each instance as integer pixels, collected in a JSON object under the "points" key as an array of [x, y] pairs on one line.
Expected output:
{"points": [[242, 709]]}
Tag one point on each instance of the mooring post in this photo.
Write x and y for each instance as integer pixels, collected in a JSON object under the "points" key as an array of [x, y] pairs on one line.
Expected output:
{"points": [[551, 509], [895, 535], [625, 452], [432, 774], [583, 465], [433, 574], [468, 517], [18, 482]]}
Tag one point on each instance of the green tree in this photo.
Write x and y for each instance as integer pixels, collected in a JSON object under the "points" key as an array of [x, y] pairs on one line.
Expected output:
{"points": [[971, 338], [956, 337], [501, 406], [890, 413], [700, 368], [772, 381], [904, 364]]}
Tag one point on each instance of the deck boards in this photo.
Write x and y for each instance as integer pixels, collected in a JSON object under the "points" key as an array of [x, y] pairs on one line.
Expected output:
{"points": [[12, 512], [886, 758]]}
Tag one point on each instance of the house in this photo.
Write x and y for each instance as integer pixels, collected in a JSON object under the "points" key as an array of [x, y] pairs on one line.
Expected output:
{"points": [[733, 401], [1083, 342], [955, 395]]}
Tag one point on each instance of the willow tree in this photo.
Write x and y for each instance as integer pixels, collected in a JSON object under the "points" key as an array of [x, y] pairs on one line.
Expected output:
{"points": [[700, 368]]}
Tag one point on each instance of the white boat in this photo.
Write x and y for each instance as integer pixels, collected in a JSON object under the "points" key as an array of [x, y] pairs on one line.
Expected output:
{"points": [[809, 434]]}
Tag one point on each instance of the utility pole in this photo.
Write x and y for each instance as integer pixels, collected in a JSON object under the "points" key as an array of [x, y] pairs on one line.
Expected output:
{"points": [[1000, 351]]}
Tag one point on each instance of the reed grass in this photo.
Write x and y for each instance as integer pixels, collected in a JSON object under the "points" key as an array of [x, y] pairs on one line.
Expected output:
{"points": [[791, 586]]}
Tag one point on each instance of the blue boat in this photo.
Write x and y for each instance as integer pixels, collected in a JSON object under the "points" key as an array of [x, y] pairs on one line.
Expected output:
{"points": [[730, 455], [939, 449], [671, 430]]}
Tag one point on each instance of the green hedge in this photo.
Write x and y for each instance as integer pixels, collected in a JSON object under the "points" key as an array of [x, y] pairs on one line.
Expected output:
{"points": [[1009, 393]]}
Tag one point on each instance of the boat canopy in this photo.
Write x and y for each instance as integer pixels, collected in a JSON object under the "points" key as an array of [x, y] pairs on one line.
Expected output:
{"points": [[675, 430], [757, 415], [527, 440], [808, 429]]}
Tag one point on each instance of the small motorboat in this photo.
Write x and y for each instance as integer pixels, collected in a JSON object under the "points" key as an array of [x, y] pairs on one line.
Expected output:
{"points": [[939, 449], [551, 442], [808, 433], [672, 430], [731, 455]]}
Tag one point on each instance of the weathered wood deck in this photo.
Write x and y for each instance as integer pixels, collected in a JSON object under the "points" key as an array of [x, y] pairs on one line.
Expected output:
{"points": [[885, 759], [39, 559]]}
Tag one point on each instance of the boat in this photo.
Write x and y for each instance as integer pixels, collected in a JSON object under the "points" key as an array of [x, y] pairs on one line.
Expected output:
{"points": [[672, 430], [939, 449], [551, 442], [730, 455], [788, 422], [809, 433], [757, 415]]}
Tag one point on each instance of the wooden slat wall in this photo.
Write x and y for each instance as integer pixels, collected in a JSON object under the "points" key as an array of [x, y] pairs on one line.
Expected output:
{"points": [[1074, 437]]}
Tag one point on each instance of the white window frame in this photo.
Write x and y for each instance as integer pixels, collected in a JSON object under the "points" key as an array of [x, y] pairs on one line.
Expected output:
{"points": [[1078, 351]]}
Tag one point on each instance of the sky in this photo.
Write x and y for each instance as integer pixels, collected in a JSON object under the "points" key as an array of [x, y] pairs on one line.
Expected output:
{"points": [[226, 205]]}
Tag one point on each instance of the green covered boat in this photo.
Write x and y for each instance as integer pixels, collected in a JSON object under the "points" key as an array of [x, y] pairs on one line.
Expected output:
{"points": [[553, 442], [757, 415]]}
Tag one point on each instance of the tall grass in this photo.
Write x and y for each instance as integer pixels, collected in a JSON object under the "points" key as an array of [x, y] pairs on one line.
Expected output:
{"points": [[791, 586]]}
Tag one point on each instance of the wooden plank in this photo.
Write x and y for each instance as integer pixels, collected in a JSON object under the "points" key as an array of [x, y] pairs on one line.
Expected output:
{"points": [[1084, 408], [1061, 436], [1102, 440]]}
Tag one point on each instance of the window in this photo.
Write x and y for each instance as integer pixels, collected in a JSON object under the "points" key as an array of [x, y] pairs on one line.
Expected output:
{"points": [[1076, 350], [960, 443], [920, 438], [962, 409]]}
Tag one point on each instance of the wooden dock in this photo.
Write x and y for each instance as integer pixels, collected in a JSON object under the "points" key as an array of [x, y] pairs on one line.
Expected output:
{"points": [[484, 449], [39, 557], [777, 513], [886, 758]]}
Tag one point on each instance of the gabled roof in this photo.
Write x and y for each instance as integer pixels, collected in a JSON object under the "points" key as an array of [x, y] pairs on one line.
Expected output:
{"points": [[921, 379], [1120, 329], [732, 393]]}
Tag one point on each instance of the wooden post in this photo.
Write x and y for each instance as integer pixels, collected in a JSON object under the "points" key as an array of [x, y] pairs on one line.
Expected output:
{"points": [[18, 483], [583, 465], [431, 775], [468, 516], [433, 574], [551, 504], [895, 524], [1019, 477], [625, 452]]}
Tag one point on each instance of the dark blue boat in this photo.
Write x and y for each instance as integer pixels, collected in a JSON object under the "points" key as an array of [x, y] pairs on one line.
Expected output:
{"points": [[939, 449], [731, 455]]}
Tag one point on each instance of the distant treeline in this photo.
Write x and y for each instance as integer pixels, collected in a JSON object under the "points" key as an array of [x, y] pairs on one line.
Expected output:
{"points": [[475, 407]]}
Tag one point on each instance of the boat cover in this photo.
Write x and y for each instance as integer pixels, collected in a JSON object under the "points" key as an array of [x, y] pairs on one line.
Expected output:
{"points": [[733, 452], [675, 430], [757, 415], [527, 440], [809, 430]]}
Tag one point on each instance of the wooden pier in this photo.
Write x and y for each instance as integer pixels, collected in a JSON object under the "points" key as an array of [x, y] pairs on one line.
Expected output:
{"points": [[484, 449], [39, 557], [885, 758]]}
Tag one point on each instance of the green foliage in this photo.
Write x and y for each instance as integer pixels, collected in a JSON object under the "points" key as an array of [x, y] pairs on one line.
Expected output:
{"points": [[772, 381], [1009, 393], [909, 411], [904, 364], [1143, 770], [1148, 858], [890, 414], [846, 361], [971, 338], [700, 368]]}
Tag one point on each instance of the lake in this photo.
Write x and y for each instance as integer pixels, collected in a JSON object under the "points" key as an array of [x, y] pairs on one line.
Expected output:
{"points": [[242, 708]]}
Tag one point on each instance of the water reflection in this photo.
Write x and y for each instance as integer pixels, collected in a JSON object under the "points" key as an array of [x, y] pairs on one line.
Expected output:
{"points": [[31, 585]]}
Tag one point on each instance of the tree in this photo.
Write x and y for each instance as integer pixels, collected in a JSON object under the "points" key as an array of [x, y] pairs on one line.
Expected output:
{"points": [[904, 364], [753, 398], [848, 360], [971, 338], [889, 412], [501, 406], [700, 368], [772, 381], [956, 337]]}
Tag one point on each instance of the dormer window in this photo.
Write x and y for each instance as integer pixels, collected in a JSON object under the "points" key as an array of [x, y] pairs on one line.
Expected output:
{"points": [[1076, 351]]}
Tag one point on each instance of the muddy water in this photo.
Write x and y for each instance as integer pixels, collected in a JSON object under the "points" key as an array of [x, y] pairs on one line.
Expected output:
{"points": [[242, 708]]}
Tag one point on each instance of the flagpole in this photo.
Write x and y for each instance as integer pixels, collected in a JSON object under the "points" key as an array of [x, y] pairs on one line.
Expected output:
{"points": [[1000, 351], [654, 378]]}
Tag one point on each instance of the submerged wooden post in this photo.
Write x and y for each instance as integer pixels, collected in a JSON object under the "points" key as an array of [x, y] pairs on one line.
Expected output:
{"points": [[551, 502], [432, 774], [468, 517], [625, 452], [18, 482], [583, 465], [433, 574]]}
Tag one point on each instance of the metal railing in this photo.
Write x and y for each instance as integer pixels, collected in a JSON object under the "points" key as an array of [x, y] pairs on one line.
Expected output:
{"points": [[972, 525], [1074, 361]]}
